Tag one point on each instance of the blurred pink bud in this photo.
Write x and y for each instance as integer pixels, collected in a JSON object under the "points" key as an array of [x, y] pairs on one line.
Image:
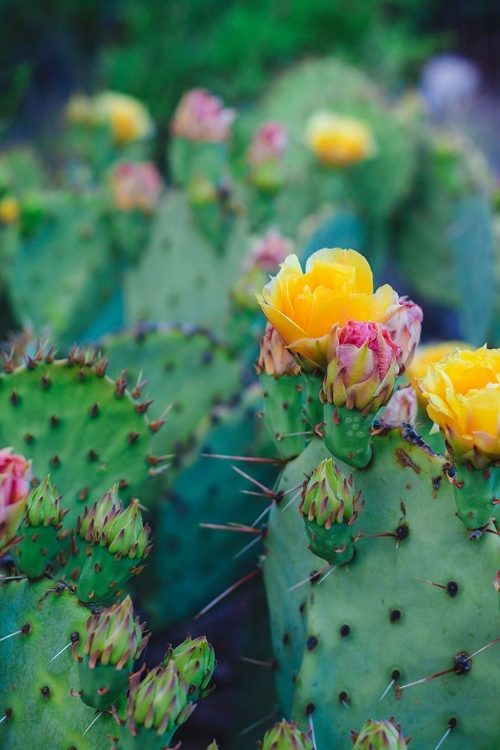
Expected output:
{"points": [[402, 406], [136, 186], [362, 366], [201, 117], [15, 475], [405, 328], [269, 252], [274, 357], [268, 144]]}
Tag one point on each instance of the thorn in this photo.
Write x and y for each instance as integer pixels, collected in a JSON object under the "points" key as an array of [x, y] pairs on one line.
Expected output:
{"points": [[61, 651], [387, 690], [99, 713], [293, 498], [311, 725], [426, 679], [492, 643], [258, 723], [232, 527], [281, 435], [247, 546], [12, 578], [334, 567], [450, 727], [142, 407], [261, 515], [229, 590], [258, 662], [250, 459], [11, 635], [264, 489], [311, 577], [154, 471]]}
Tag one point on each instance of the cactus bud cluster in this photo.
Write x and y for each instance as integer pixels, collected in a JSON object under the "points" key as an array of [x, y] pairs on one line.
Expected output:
{"points": [[113, 640], [379, 735], [285, 735], [329, 507], [195, 660]]}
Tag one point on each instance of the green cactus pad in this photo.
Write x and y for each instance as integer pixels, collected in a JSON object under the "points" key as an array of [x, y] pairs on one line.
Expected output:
{"points": [[35, 688], [186, 278], [187, 373], [380, 621], [64, 273], [79, 425]]}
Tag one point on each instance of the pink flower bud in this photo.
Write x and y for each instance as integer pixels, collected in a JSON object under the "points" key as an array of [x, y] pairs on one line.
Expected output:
{"points": [[269, 252], [268, 144], [274, 357], [15, 475], [201, 117], [402, 406], [362, 366], [405, 327], [136, 186]]}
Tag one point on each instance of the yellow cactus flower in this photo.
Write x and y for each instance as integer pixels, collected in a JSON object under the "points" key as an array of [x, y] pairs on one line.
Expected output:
{"points": [[463, 398], [339, 141], [427, 355], [128, 119], [9, 210], [337, 286]]}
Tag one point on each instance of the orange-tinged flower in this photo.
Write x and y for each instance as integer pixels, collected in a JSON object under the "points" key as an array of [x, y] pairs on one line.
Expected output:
{"points": [[462, 391], [339, 141], [337, 286]]}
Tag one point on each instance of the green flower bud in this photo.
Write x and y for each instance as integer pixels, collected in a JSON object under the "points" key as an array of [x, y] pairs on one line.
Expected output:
{"points": [[213, 746], [91, 521], [329, 507], [41, 528], [117, 540], [43, 507], [286, 736], [113, 636], [195, 660], [124, 532], [113, 640], [159, 702], [379, 735]]}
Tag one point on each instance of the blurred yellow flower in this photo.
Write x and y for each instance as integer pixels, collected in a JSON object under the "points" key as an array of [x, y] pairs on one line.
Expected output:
{"points": [[339, 141], [337, 286], [128, 119], [428, 354], [463, 398], [9, 210], [81, 110]]}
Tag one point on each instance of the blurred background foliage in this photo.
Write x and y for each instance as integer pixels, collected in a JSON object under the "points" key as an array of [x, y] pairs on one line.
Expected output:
{"points": [[157, 50]]}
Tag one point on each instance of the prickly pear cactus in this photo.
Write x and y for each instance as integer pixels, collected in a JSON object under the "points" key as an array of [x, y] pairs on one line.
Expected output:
{"points": [[73, 421], [416, 600]]}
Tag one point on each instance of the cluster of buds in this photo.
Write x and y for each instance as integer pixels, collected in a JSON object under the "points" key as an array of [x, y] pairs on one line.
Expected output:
{"points": [[159, 703], [15, 476], [330, 507], [379, 735], [195, 660], [285, 735], [265, 156], [113, 640], [136, 186], [42, 530], [126, 117], [200, 116], [116, 541]]}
